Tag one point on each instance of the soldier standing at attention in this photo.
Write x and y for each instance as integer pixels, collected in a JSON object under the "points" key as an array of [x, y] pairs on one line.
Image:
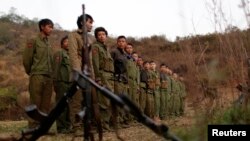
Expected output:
{"points": [[38, 62], [120, 62], [147, 85], [75, 57], [163, 91], [104, 69], [121, 79], [139, 63], [62, 83], [156, 93], [133, 74], [135, 57], [169, 96], [176, 95]]}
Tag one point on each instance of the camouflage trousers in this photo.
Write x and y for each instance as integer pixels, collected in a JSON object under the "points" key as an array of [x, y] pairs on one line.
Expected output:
{"points": [[40, 88], [176, 104], [142, 99], [157, 102], [132, 91], [104, 103], [149, 108], [163, 103]]}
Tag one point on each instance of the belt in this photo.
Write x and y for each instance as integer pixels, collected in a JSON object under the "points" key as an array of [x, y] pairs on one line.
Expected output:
{"points": [[150, 91]]}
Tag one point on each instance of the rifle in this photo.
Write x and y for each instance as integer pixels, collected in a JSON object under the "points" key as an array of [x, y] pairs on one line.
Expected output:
{"points": [[86, 70], [120, 100]]}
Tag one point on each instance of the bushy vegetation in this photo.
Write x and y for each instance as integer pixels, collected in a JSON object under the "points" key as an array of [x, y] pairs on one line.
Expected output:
{"points": [[209, 63], [8, 97]]}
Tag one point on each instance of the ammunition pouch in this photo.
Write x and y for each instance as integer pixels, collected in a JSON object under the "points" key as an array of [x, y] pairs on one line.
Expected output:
{"points": [[151, 84], [164, 84], [158, 82]]}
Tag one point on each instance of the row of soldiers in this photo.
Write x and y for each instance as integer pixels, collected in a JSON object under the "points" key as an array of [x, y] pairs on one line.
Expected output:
{"points": [[158, 94]]}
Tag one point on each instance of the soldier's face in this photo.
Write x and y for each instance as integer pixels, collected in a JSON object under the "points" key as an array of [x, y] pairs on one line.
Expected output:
{"points": [[121, 43], [65, 44], [89, 25], [152, 66], [147, 66], [47, 29], [101, 36], [163, 68], [140, 61], [129, 49], [135, 56]]}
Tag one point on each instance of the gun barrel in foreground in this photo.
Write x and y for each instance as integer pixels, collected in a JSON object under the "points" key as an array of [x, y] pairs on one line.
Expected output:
{"points": [[122, 101]]}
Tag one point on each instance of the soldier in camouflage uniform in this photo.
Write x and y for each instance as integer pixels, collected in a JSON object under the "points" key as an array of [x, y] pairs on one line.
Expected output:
{"points": [[143, 87], [156, 93], [176, 95], [169, 96], [147, 78], [103, 65], [38, 62], [62, 83], [133, 74], [75, 56], [121, 79], [163, 91]]}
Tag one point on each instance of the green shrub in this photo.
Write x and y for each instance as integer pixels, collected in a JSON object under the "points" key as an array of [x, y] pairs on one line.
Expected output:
{"points": [[8, 97]]}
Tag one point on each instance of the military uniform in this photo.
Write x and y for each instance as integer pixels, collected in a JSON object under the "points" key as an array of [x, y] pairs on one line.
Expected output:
{"points": [[75, 58], [61, 84], [175, 97], [133, 74], [143, 89], [103, 69], [121, 81], [156, 92], [163, 95], [169, 96], [38, 62], [149, 106], [120, 67]]}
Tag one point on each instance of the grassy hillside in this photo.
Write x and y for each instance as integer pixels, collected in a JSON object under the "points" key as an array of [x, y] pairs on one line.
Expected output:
{"points": [[213, 61]]}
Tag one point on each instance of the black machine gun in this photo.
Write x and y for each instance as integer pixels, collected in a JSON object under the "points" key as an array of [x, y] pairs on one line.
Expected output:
{"points": [[122, 101]]}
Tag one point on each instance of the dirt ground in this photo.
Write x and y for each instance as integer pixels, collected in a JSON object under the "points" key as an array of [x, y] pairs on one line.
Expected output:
{"points": [[10, 130]]}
